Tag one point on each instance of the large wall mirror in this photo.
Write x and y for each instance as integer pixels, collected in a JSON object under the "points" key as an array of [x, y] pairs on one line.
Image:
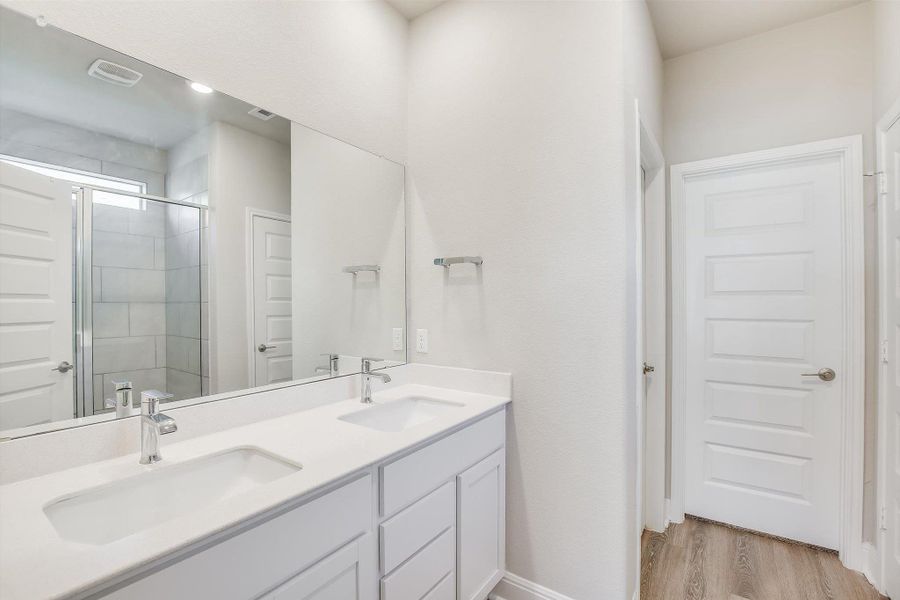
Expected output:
{"points": [[162, 235]]}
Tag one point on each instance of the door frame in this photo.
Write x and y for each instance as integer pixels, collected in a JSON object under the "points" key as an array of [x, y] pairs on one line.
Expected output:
{"points": [[886, 363], [251, 213], [849, 151]]}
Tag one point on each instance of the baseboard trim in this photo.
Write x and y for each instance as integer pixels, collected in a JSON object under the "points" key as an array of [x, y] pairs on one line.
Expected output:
{"points": [[513, 587], [871, 564]]}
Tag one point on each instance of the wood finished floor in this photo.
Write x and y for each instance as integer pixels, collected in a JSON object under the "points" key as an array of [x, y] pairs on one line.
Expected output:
{"points": [[696, 560]]}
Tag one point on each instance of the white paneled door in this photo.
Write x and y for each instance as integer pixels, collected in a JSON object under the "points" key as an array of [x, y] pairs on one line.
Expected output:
{"points": [[271, 310], [890, 216], [764, 335], [36, 344]]}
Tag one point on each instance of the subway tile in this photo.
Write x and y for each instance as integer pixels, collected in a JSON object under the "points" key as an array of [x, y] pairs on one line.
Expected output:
{"points": [[96, 284], [183, 319], [160, 351], [183, 354], [124, 354], [147, 318], [188, 179], [183, 250], [159, 261], [123, 250], [150, 221], [182, 385], [183, 285], [110, 319], [133, 285], [105, 217]]}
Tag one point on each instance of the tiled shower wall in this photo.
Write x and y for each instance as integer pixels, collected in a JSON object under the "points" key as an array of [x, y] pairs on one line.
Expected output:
{"points": [[129, 298], [187, 340]]}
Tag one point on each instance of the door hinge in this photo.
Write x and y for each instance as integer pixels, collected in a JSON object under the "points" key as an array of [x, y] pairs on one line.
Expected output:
{"points": [[882, 520], [885, 356]]}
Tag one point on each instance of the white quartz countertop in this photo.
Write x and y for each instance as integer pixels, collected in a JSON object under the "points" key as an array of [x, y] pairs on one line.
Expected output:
{"points": [[35, 562]]}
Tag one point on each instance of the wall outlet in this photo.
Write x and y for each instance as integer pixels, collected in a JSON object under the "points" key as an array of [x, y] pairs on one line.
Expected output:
{"points": [[397, 338], [422, 340]]}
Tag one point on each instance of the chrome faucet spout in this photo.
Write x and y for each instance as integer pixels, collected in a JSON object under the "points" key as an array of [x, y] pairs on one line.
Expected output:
{"points": [[365, 395], [153, 425]]}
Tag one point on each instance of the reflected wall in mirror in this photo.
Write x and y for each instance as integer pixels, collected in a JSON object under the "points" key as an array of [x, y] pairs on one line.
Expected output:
{"points": [[166, 236]]}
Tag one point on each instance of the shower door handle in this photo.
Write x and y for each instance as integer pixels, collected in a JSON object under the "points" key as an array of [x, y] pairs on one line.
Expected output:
{"points": [[63, 367]]}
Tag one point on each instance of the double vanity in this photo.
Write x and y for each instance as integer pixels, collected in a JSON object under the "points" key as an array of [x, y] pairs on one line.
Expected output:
{"points": [[399, 499]]}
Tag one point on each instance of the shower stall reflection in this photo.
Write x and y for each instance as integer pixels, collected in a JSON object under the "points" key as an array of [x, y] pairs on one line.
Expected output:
{"points": [[142, 300]]}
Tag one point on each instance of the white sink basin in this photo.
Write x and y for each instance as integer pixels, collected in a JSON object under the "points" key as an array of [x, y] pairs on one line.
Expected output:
{"points": [[397, 415], [110, 512]]}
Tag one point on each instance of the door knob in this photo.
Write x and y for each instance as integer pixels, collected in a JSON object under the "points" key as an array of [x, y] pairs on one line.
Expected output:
{"points": [[63, 367], [648, 368], [824, 374], [264, 347]]}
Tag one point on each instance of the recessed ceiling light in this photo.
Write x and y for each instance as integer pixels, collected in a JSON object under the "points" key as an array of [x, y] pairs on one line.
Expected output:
{"points": [[199, 87]]}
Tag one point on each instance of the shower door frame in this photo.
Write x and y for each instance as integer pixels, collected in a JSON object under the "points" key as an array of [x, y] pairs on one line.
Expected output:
{"points": [[83, 337]]}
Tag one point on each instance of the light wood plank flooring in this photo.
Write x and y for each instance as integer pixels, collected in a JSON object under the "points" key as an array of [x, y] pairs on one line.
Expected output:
{"points": [[698, 560]]}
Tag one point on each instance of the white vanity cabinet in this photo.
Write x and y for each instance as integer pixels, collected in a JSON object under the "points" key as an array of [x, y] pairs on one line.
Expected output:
{"points": [[427, 524], [444, 510]]}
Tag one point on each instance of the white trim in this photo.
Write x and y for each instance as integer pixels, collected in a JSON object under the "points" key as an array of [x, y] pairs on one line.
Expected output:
{"points": [[652, 468], [878, 558], [849, 150], [251, 307], [513, 587]]}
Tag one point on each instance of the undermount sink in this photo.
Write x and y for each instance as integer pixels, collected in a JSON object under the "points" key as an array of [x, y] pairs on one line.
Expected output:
{"points": [[110, 512], [397, 415]]}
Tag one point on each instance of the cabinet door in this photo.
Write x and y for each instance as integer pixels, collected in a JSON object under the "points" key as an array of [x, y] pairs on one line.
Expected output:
{"points": [[481, 527], [347, 574]]}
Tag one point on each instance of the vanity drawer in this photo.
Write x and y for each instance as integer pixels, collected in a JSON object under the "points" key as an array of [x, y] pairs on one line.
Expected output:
{"points": [[414, 475], [250, 563], [404, 534], [445, 590], [423, 571]]}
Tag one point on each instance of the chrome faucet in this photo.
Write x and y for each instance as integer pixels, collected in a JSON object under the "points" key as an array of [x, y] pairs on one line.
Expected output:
{"points": [[332, 369], [122, 401], [153, 425], [365, 395]]}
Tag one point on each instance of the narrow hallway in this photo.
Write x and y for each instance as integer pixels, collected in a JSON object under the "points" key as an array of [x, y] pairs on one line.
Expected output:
{"points": [[698, 560]]}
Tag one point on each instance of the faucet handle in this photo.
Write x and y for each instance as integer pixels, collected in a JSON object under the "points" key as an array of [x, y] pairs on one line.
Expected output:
{"points": [[121, 385], [150, 401], [367, 363]]}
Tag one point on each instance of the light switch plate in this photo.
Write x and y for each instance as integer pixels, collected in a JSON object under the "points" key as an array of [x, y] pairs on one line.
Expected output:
{"points": [[397, 338], [422, 340]]}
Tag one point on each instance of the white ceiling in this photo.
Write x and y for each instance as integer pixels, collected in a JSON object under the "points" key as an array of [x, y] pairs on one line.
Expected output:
{"points": [[43, 72], [413, 8], [684, 26]]}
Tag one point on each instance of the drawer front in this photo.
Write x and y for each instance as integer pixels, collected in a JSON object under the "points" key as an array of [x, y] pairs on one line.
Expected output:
{"points": [[422, 572], [445, 590], [411, 529], [414, 475], [335, 577], [250, 563]]}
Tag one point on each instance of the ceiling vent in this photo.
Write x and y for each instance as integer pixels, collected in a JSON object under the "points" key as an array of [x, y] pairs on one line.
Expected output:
{"points": [[110, 72], [261, 113]]}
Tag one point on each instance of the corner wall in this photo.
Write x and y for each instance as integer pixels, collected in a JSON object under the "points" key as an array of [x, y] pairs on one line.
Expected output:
{"points": [[516, 137]]}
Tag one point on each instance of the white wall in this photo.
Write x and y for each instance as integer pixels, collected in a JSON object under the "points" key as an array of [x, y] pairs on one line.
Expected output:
{"points": [[339, 67], [804, 82], [245, 170], [887, 55], [516, 153], [347, 209]]}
